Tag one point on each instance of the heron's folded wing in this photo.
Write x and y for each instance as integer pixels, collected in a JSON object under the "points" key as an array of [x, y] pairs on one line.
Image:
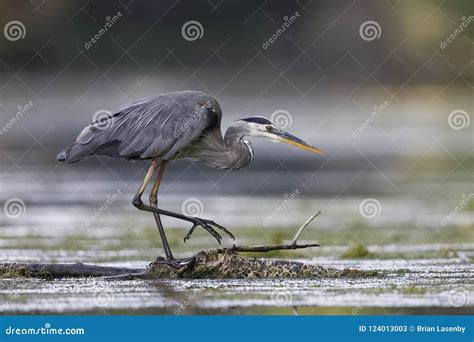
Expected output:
{"points": [[157, 127]]}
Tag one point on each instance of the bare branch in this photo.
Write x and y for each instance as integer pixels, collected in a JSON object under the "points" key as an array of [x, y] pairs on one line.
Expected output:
{"points": [[304, 226], [259, 249]]}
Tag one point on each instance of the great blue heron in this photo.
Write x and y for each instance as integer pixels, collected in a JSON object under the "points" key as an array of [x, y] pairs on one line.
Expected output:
{"points": [[171, 126]]}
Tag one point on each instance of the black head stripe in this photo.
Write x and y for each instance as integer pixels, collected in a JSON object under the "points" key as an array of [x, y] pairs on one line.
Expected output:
{"points": [[259, 120]]}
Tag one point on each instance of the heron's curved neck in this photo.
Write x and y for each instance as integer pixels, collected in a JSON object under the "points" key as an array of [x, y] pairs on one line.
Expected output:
{"points": [[238, 152], [228, 152]]}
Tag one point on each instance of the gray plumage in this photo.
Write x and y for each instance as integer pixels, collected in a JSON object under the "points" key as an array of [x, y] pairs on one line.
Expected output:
{"points": [[169, 126]]}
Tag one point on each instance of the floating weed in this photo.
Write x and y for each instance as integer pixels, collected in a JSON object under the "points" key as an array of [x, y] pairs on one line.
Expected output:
{"points": [[357, 251]]}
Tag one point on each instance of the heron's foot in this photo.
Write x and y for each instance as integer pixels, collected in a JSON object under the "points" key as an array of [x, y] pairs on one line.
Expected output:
{"points": [[209, 226], [176, 263]]}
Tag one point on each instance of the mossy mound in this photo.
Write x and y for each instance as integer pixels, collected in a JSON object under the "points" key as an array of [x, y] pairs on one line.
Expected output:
{"points": [[205, 265], [232, 265]]}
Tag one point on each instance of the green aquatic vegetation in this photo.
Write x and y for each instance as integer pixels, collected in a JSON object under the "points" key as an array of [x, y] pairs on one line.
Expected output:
{"points": [[357, 251], [444, 253], [405, 234], [278, 237], [414, 290], [470, 206], [12, 272]]}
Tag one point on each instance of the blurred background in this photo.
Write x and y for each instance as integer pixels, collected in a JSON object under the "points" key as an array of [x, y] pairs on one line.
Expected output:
{"points": [[384, 88]]}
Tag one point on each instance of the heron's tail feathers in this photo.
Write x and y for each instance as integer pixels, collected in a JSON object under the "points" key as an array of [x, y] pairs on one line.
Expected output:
{"points": [[73, 153], [78, 151]]}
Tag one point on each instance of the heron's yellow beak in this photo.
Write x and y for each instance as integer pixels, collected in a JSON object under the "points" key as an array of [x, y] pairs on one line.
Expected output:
{"points": [[290, 139]]}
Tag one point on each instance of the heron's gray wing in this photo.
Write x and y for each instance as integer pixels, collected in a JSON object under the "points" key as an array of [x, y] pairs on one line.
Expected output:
{"points": [[156, 127]]}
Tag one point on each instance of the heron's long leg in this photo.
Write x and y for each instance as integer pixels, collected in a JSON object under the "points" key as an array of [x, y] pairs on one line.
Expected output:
{"points": [[153, 203], [154, 164], [206, 224], [138, 203], [196, 221]]}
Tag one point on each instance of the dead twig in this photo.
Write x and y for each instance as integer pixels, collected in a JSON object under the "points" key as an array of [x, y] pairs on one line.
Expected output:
{"points": [[258, 249], [304, 226]]}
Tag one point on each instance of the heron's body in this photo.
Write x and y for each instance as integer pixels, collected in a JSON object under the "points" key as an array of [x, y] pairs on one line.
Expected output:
{"points": [[168, 126], [171, 126]]}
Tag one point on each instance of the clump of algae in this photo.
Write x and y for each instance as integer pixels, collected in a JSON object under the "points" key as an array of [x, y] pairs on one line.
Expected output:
{"points": [[357, 251], [232, 265]]}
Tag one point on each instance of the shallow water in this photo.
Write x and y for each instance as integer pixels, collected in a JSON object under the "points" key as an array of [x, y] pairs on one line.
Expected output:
{"points": [[407, 285], [420, 234], [423, 269], [428, 266]]}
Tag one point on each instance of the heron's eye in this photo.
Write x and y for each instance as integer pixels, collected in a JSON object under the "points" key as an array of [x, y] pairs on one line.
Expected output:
{"points": [[269, 128]]}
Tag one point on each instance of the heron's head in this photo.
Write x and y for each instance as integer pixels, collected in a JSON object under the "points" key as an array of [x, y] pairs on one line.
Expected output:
{"points": [[258, 126]]}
